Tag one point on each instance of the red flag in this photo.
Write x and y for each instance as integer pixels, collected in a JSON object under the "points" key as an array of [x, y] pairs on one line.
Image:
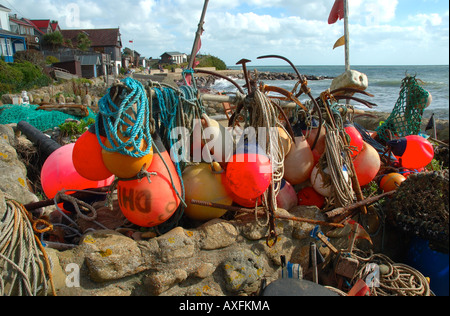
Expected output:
{"points": [[131, 41], [337, 12]]}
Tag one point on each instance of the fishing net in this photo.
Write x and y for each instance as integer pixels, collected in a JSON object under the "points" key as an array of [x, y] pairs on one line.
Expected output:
{"points": [[42, 120], [406, 118]]}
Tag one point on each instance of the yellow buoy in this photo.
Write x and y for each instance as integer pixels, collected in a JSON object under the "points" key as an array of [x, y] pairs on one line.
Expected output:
{"points": [[203, 184]]}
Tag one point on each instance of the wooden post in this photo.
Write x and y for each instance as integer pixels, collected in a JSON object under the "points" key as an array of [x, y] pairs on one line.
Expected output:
{"points": [[347, 38]]}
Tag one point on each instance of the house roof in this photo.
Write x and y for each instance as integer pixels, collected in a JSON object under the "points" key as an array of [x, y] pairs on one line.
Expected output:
{"points": [[5, 33], [4, 8], [42, 24], [173, 53], [98, 37], [33, 25]]}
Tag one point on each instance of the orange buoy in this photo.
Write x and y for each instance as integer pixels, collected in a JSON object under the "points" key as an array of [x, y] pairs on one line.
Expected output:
{"points": [[204, 184], [367, 164], [356, 140], [308, 196], [391, 182], [58, 173], [249, 172], [299, 162], [413, 152], [287, 197], [87, 157], [149, 204], [124, 166]]}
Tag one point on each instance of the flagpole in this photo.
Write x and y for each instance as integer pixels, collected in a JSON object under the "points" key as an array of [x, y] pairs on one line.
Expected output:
{"points": [[197, 36], [347, 38]]}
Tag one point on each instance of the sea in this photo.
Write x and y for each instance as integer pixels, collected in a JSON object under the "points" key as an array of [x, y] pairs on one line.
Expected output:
{"points": [[384, 84]]}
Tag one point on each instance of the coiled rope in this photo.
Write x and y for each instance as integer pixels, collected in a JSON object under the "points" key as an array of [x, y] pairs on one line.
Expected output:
{"points": [[399, 280], [126, 119], [21, 266]]}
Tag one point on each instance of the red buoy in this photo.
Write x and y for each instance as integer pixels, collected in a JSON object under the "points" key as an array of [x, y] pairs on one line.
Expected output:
{"points": [[87, 157], [308, 196], [413, 152], [356, 140], [249, 172]]}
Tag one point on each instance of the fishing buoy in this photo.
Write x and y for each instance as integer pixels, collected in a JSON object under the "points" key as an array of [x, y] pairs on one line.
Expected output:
{"points": [[391, 182], [299, 162], [249, 203], [58, 173], [367, 164], [322, 186], [285, 140], [204, 184], [309, 197], [218, 140], [87, 157], [249, 172], [413, 152], [150, 203], [287, 197], [356, 140], [124, 166], [320, 145]]}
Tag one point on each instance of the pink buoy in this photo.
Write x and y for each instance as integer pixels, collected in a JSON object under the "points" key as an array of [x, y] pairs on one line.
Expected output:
{"points": [[287, 197], [367, 164], [58, 173]]}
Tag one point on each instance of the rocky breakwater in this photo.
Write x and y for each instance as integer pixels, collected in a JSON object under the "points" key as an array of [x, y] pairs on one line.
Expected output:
{"points": [[283, 76]]}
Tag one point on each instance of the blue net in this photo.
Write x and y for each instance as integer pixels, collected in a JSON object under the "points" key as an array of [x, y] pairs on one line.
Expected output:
{"points": [[42, 120]]}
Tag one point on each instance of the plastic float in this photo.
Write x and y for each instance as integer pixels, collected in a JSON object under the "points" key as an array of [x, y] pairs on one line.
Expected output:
{"points": [[205, 184], [413, 152], [249, 203], [287, 197], [151, 202], [125, 166], [248, 172], [367, 164], [391, 182], [299, 162], [356, 141], [58, 173], [321, 185], [87, 157], [319, 149], [309, 197]]}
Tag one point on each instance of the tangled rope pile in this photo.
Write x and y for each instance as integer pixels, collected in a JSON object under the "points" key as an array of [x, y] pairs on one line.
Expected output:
{"points": [[398, 279], [24, 266]]}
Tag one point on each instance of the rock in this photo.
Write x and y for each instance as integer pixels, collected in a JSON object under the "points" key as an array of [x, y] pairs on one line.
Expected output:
{"points": [[77, 99], [204, 271], [46, 98], [350, 79], [162, 281], [7, 98], [217, 234], [13, 173], [87, 100], [176, 244], [111, 256], [242, 270]]}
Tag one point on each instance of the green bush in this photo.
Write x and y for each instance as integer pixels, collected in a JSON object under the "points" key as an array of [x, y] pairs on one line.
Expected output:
{"points": [[212, 61], [20, 76], [50, 60]]}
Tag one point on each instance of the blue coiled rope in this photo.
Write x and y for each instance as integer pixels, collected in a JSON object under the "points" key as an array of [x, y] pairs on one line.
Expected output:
{"points": [[131, 119]]}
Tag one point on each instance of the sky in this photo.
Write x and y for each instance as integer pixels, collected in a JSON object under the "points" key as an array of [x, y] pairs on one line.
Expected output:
{"points": [[382, 32]]}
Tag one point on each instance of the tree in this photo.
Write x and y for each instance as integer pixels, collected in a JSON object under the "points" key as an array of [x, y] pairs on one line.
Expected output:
{"points": [[55, 40], [83, 42]]}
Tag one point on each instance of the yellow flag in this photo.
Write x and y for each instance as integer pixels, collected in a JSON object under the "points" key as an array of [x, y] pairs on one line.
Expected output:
{"points": [[340, 42]]}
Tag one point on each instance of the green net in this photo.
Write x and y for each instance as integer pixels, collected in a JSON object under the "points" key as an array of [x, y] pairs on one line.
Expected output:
{"points": [[406, 118], [42, 120]]}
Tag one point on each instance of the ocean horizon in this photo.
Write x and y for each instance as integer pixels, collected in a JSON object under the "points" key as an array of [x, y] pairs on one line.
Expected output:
{"points": [[384, 83]]}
